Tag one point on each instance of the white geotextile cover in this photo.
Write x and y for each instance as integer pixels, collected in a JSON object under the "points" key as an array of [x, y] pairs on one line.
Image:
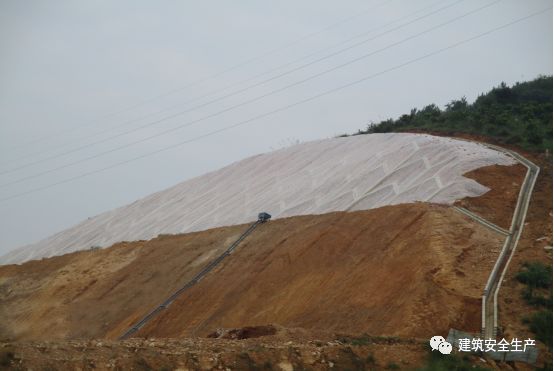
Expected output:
{"points": [[352, 173]]}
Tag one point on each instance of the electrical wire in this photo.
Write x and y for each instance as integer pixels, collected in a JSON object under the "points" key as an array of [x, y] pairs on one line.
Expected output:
{"points": [[248, 101], [215, 75], [283, 108], [136, 119], [190, 109]]}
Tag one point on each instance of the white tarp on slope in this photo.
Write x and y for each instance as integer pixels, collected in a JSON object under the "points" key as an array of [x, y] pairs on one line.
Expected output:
{"points": [[354, 173]]}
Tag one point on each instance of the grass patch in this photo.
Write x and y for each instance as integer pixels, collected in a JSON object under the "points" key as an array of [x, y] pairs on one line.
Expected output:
{"points": [[538, 276], [142, 364], [361, 341], [540, 323], [450, 362], [6, 358], [535, 275], [356, 341], [536, 299]]}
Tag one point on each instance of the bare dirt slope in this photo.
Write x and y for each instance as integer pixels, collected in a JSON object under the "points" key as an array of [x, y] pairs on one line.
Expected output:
{"points": [[410, 270], [498, 204], [85, 294], [375, 272]]}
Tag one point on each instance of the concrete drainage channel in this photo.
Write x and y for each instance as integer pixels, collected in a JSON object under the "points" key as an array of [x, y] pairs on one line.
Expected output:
{"points": [[489, 308], [490, 294], [262, 218]]}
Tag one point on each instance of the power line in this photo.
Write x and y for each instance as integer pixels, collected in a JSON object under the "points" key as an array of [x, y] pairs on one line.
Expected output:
{"points": [[190, 109], [213, 76], [283, 108], [200, 97], [275, 91], [190, 123]]}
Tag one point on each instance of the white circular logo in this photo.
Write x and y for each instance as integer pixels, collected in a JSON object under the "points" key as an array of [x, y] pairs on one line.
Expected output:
{"points": [[440, 344], [435, 342]]}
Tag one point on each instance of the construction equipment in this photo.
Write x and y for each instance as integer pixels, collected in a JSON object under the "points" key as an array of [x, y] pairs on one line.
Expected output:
{"points": [[263, 217]]}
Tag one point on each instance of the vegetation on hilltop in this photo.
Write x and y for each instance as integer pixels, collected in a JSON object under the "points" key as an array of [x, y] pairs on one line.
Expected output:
{"points": [[538, 293], [520, 115]]}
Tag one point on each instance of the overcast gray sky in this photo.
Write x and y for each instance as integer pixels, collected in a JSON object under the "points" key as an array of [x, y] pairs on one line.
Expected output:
{"points": [[77, 73]]}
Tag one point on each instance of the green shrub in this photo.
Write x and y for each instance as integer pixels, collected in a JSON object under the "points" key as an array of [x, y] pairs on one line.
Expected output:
{"points": [[442, 362], [363, 340], [520, 114], [142, 364], [6, 358], [535, 275], [534, 299], [538, 276], [540, 323], [545, 367], [356, 341]]}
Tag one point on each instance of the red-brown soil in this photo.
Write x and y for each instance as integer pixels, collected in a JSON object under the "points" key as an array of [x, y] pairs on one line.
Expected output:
{"points": [[88, 293], [498, 204], [405, 270], [376, 271]]}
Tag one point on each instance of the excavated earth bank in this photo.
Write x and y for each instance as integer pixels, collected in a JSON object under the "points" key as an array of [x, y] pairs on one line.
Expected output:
{"points": [[405, 270], [398, 273]]}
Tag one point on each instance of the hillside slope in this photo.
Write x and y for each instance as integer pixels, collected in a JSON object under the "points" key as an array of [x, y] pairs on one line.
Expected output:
{"points": [[410, 270], [356, 173], [355, 272], [96, 294]]}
